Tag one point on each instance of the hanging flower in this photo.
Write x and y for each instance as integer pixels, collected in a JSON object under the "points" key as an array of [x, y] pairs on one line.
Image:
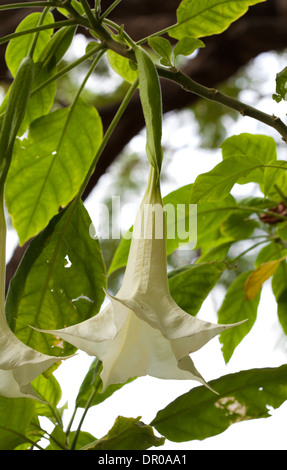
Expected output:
{"points": [[142, 331]]}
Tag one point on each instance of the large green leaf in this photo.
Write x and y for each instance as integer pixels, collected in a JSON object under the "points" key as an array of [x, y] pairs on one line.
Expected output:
{"points": [[245, 395], [49, 166], [189, 287], [18, 48], [250, 145], [236, 308], [207, 17], [15, 417], [218, 182], [128, 434], [59, 282]]}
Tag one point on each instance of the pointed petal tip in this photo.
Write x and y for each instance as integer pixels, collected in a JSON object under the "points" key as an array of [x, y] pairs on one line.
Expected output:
{"points": [[54, 332], [231, 325]]}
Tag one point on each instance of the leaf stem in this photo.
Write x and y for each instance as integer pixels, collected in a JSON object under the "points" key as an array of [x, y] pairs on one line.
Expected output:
{"points": [[107, 135], [41, 300], [109, 9], [158, 33], [26, 5], [248, 249], [67, 69], [89, 13], [57, 24], [36, 36], [86, 409]]}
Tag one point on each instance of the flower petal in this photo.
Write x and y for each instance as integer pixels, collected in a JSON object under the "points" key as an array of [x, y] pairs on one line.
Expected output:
{"points": [[20, 365], [85, 335]]}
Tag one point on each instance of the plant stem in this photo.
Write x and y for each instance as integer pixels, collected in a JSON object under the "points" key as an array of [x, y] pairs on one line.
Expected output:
{"points": [[67, 69], [109, 9], [87, 407], [215, 95], [107, 135], [158, 33], [89, 13], [248, 249], [26, 5], [58, 24], [50, 168], [35, 39], [284, 199]]}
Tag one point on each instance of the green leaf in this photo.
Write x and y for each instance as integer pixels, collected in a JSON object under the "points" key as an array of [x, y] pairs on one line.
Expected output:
{"points": [[217, 183], [207, 17], [210, 217], [57, 439], [190, 286], [281, 90], [186, 46], [92, 383], [57, 47], [55, 285], [49, 166], [50, 391], [250, 145], [128, 434], [238, 226], [122, 66], [236, 308], [245, 395], [282, 309], [85, 440], [41, 102], [18, 48], [162, 47], [272, 251], [273, 174], [15, 417], [78, 7]]}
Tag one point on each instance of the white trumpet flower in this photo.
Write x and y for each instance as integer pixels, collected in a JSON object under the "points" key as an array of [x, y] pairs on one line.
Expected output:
{"points": [[19, 364], [142, 331]]}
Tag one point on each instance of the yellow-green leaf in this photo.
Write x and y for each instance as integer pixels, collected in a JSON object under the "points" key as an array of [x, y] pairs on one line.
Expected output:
{"points": [[254, 282]]}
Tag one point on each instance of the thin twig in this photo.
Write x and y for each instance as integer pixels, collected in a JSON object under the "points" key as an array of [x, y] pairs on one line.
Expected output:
{"points": [[215, 95]]}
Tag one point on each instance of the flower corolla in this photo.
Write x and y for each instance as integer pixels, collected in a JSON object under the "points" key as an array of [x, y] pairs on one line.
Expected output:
{"points": [[142, 331]]}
